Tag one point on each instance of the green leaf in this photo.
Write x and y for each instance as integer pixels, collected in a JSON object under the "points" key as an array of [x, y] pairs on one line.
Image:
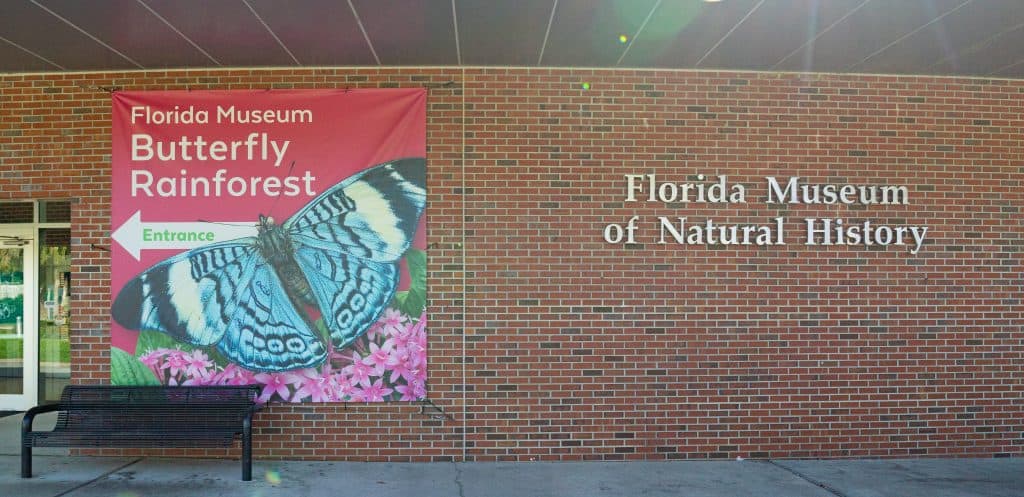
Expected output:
{"points": [[127, 370], [152, 340], [399, 299], [412, 301], [214, 354], [417, 261]]}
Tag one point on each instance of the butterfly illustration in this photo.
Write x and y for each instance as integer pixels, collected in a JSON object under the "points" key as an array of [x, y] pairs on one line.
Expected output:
{"points": [[251, 297]]}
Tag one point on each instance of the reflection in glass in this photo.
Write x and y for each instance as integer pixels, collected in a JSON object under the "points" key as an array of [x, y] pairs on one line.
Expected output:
{"points": [[16, 212], [54, 211], [12, 298], [54, 311]]}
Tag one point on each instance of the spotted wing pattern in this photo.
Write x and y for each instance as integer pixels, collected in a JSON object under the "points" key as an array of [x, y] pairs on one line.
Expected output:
{"points": [[351, 292], [268, 333], [225, 295], [372, 215], [349, 239]]}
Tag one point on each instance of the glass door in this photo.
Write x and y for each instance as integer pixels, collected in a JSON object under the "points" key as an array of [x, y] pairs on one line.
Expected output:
{"points": [[18, 337], [54, 312]]}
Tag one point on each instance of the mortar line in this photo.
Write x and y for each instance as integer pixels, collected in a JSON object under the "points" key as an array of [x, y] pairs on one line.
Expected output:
{"points": [[462, 222]]}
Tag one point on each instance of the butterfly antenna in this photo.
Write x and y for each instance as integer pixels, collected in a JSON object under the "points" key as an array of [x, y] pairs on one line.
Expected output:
{"points": [[222, 223], [276, 199]]}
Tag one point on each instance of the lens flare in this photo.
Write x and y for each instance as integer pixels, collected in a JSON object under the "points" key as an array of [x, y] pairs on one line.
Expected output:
{"points": [[623, 38], [585, 86], [273, 477]]}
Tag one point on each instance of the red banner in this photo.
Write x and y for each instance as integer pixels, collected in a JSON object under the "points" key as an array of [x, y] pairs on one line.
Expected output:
{"points": [[271, 237]]}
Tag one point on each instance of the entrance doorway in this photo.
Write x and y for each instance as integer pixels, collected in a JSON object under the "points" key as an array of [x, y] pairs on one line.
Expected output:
{"points": [[35, 293], [54, 304], [18, 340]]}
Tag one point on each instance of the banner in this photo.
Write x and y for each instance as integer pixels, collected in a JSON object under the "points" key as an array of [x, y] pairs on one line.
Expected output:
{"points": [[272, 237]]}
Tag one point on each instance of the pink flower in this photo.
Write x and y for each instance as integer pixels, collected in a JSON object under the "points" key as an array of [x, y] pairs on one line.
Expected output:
{"points": [[318, 387], [177, 361], [375, 331], [197, 364], [199, 380], [392, 321], [344, 389], [412, 391], [419, 332], [234, 375], [373, 393], [403, 364], [378, 357], [154, 361], [358, 372], [275, 383], [404, 338]]}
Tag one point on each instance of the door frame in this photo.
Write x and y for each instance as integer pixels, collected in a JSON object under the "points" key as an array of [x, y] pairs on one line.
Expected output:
{"points": [[29, 324]]}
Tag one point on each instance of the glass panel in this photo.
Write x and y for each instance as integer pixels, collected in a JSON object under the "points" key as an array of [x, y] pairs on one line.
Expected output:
{"points": [[54, 312], [15, 212], [12, 298], [55, 211]]}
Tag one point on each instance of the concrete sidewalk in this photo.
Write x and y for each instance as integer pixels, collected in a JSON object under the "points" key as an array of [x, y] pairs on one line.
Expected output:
{"points": [[59, 475], [118, 477]]}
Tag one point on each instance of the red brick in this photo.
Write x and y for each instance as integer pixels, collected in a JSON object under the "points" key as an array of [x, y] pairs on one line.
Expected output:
{"points": [[548, 343]]}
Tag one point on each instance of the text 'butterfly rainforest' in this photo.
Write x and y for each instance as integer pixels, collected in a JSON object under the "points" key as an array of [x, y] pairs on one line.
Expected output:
{"points": [[257, 300]]}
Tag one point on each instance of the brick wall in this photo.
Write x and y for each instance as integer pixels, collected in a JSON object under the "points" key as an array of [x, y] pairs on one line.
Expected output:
{"points": [[547, 342]]}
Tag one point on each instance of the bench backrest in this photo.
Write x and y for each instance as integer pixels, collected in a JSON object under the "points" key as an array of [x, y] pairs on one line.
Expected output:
{"points": [[155, 408]]}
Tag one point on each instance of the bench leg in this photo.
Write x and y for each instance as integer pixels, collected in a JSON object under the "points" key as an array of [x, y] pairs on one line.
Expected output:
{"points": [[247, 449], [26, 461]]}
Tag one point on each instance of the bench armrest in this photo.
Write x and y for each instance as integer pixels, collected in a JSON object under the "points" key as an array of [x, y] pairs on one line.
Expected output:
{"points": [[26, 422], [250, 412]]}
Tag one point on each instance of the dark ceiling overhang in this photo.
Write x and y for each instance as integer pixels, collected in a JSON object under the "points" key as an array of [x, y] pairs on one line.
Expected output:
{"points": [[931, 37]]}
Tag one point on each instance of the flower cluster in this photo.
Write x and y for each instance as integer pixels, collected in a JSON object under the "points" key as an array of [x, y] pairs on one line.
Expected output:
{"points": [[388, 363]]}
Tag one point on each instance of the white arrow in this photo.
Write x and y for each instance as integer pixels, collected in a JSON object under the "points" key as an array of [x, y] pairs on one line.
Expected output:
{"points": [[135, 236]]}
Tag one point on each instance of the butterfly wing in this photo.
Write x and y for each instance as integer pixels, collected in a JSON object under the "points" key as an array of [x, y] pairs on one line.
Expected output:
{"points": [[268, 333], [351, 292], [192, 296], [223, 294], [348, 241], [371, 215]]}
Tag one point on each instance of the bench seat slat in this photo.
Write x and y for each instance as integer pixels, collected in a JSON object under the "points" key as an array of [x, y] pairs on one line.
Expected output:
{"points": [[147, 417], [132, 439]]}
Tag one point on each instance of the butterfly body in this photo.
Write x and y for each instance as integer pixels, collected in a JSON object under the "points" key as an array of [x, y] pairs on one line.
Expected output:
{"points": [[276, 248], [251, 297], [272, 241]]}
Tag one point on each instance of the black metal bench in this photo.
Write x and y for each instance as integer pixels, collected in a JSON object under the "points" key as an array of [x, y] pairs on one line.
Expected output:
{"points": [[146, 416]]}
